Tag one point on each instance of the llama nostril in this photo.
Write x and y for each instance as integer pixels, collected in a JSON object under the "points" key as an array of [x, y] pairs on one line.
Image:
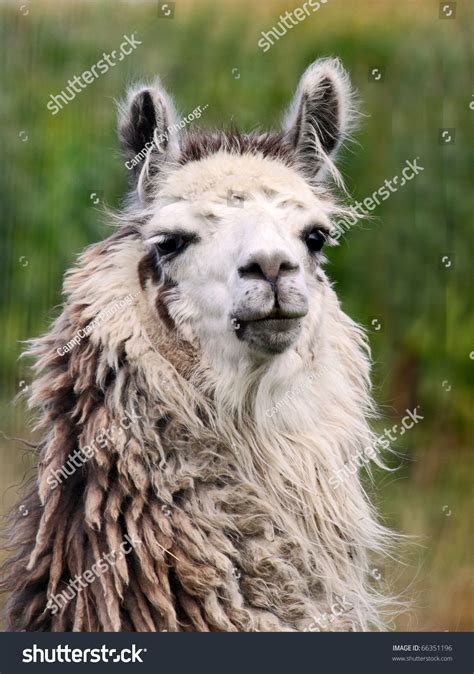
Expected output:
{"points": [[251, 270], [267, 267]]}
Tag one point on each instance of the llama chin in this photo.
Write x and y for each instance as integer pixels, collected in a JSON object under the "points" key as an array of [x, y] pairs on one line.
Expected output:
{"points": [[246, 386]]}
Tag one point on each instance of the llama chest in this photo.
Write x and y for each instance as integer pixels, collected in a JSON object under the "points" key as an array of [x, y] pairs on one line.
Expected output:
{"points": [[233, 532]]}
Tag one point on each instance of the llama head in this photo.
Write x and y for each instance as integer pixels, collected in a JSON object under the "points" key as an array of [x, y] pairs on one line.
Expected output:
{"points": [[234, 225]]}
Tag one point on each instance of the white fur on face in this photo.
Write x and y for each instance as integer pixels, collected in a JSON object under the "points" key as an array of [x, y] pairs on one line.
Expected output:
{"points": [[273, 207]]}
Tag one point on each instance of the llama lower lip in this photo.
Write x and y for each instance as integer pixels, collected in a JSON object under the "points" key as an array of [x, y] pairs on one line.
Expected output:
{"points": [[275, 324], [270, 335]]}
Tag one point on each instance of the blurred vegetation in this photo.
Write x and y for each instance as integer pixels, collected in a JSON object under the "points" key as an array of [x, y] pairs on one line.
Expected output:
{"points": [[390, 269]]}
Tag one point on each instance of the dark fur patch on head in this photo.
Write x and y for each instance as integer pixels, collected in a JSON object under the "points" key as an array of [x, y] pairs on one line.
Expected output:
{"points": [[196, 146], [162, 301], [149, 267]]}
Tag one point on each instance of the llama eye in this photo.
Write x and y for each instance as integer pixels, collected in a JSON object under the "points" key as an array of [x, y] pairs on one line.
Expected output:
{"points": [[315, 240], [171, 245]]}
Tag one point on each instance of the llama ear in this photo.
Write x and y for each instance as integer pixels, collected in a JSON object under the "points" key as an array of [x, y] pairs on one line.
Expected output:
{"points": [[148, 134], [320, 114]]}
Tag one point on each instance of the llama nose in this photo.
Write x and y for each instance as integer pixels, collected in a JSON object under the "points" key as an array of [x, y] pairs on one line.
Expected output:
{"points": [[268, 267]]}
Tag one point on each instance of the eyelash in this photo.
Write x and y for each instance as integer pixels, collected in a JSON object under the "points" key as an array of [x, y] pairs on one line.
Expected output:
{"points": [[318, 243], [181, 239]]}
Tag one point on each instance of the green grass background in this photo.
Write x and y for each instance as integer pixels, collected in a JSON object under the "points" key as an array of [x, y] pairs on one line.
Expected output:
{"points": [[388, 269]]}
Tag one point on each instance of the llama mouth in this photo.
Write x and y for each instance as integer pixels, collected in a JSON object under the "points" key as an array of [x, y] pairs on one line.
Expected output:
{"points": [[276, 314], [271, 334], [274, 323]]}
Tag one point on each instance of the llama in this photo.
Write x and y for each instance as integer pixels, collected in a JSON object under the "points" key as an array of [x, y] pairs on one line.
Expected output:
{"points": [[192, 434]]}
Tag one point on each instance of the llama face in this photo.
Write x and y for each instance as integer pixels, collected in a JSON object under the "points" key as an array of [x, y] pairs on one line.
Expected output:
{"points": [[234, 225], [239, 239]]}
